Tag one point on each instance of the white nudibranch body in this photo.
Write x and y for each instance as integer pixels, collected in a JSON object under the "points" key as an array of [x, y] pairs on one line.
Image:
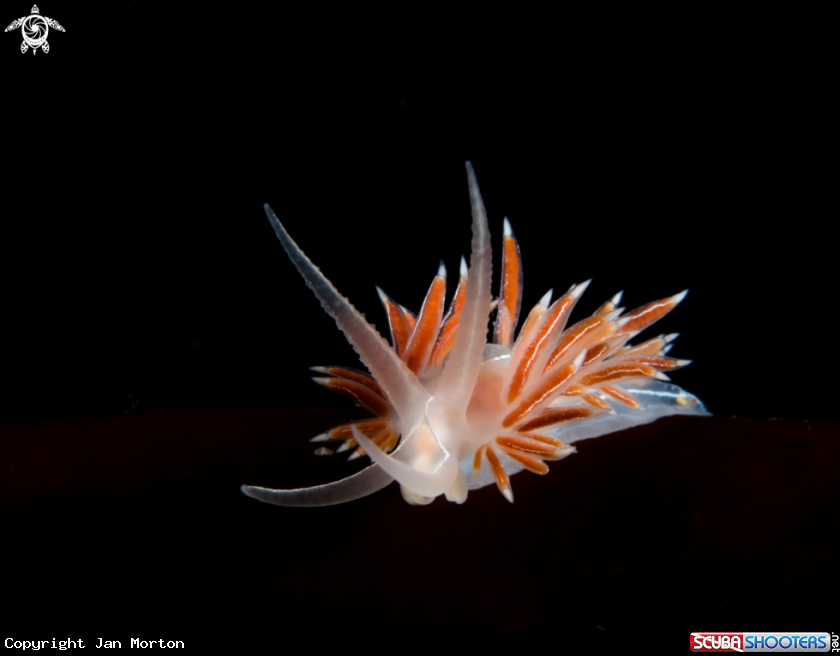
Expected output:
{"points": [[454, 413]]}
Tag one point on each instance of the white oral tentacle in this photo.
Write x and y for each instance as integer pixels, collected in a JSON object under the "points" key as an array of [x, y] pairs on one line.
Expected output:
{"points": [[404, 390], [426, 483], [360, 484]]}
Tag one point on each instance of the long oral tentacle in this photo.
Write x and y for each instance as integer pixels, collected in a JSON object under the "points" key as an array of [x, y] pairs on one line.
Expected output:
{"points": [[427, 484], [404, 391], [353, 487]]}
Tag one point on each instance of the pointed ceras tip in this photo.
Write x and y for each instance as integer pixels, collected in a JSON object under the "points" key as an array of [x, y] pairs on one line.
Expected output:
{"points": [[508, 493], [508, 231], [342, 448], [676, 298], [670, 337], [613, 342], [683, 363], [546, 299], [564, 452], [577, 291], [612, 316], [441, 270], [382, 296], [463, 270], [320, 370], [623, 320], [356, 454], [578, 361], [615, 300], [323, 437], [321, 381]]}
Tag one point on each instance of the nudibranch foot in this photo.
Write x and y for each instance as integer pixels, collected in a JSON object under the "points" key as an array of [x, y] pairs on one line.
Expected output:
{"points": [[455, 413]]}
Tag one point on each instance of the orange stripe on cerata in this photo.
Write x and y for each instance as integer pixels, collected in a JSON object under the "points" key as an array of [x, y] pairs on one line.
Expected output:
{"points": [[597, 401], [361, 394], [400, 330], [426, 329], [655, 361], [574, 390], [622, 396], [595, 352], [553, 416], [385, 441], [646, 315], [390, 440], [543, 390], [526, 446], [477, 461], [537, 312], [358, 377], [616, 371], [511, 290], [444, 344], [499, 472], [450, 326], [576, 334], [536, 346], [366, 427], [649, 347], [531, 464], [553, 441]]}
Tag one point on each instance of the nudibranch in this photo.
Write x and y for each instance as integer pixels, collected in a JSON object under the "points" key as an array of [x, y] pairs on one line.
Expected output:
{"points": [[455, 413]]}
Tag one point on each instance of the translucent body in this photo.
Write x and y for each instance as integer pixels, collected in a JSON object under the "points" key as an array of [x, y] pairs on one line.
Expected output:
{"points": [[471, 413]]}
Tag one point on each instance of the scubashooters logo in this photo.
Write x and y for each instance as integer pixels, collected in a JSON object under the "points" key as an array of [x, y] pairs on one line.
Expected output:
{"points": [[761, 642], [34, 29]]}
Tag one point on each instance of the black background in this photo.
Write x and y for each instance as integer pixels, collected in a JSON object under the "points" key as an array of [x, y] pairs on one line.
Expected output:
{"points": [[137, 260], [652, 153]]}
